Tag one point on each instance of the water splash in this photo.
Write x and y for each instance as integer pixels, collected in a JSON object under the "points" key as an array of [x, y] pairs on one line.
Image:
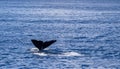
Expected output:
{"points": [[35, 50], [41, 54]]}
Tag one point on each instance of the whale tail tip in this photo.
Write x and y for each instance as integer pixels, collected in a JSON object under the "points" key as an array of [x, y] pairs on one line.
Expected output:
{"points": [[42, 45]]}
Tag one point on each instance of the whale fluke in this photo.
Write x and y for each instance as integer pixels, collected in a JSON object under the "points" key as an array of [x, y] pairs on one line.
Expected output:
{"points": [[42, 45]]}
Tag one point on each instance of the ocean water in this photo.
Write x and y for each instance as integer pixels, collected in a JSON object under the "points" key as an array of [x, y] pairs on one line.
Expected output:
{"points": [[87, 34]]}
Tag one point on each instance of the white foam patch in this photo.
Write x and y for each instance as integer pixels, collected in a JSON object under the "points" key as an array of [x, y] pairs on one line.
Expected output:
{"points": [[40, 54], [71, 54], [34, 50]]}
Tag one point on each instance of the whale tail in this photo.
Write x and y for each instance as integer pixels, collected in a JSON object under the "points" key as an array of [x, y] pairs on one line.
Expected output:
{"points": [[42, 45]]}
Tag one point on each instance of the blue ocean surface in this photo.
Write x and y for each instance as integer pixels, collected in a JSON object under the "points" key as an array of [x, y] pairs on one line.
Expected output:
{"points": [[87, 34]]}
